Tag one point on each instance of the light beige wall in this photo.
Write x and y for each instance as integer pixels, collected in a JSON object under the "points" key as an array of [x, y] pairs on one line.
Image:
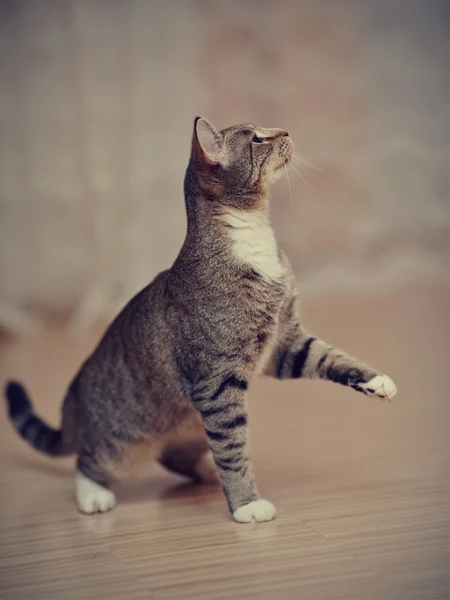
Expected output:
{"points": [[96, 109]]}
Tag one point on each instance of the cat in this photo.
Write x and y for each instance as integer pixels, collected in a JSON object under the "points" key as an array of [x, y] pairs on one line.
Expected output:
{"points": [[169, 378]]}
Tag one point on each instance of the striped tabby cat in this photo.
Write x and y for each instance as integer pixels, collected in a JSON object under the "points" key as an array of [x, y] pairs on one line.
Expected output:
{"points": [[169, 378]]}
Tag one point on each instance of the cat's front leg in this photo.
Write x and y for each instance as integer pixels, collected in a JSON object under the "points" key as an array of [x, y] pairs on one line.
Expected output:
{"points": [[221, 405], [303, 355]]}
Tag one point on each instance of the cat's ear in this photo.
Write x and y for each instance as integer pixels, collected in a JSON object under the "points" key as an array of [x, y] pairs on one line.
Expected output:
{"points": [[206, 149]]}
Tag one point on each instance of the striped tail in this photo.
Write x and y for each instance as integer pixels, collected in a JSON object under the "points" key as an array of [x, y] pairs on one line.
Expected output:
{"points": [[37, 433]]}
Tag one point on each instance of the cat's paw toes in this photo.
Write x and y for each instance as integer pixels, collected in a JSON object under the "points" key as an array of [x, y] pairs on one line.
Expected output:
{"points": [[91, 497], [255, 512], [95, 502], [206, 469], [381, 386]]}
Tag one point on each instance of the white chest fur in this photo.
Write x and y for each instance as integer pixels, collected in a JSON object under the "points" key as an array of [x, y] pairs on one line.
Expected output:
{"points": [[253, 241]]}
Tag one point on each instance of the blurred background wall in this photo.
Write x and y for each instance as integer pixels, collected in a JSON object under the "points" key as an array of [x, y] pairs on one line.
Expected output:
{"points": [[97, 101]]}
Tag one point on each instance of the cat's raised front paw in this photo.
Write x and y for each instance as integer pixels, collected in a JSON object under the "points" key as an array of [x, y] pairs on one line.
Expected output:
{"points": [[381, 386], [255, 512]]}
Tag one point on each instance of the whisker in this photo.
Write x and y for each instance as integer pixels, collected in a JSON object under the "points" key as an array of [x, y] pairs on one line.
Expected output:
{"points": [[297, 163], [300, 165], [301, 176], [289, 184], [300, 160]]}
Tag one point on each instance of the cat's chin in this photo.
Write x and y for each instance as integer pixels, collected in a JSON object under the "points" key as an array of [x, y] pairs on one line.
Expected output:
{"points": [[278, 172]]}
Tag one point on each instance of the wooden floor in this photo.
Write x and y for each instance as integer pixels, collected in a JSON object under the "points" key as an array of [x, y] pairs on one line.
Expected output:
{"points": [[359, 484]]}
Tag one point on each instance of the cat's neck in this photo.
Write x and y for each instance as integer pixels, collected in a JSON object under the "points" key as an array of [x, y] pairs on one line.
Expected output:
{"points": [[219, 232], [253, 240]]}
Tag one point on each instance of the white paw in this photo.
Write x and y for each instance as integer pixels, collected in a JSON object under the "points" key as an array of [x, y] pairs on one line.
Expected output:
{"points": [[92, 497], [256, 512], [381, 386], [206, 468]]}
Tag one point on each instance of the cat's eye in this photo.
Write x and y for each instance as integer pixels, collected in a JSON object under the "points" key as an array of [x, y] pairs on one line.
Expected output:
{"points": [[257, 140]]}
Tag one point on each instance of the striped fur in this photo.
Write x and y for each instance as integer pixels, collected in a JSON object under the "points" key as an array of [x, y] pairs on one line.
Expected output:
{"points": [[32, 429], [313, 358], [169, 379], [225, 419]]}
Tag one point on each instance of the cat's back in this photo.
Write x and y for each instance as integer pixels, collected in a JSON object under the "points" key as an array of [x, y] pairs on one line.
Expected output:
{"points": [[134, 340]]}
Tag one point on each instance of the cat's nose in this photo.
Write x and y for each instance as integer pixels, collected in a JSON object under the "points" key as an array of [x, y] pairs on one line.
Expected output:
{"points": [[277, 133]]}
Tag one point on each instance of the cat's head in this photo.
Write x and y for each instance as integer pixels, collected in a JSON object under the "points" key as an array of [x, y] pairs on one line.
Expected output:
{"points": [[238, 161]]}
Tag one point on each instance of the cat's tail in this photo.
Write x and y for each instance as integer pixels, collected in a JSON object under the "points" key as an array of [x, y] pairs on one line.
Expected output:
{"points": [[54, 442]]}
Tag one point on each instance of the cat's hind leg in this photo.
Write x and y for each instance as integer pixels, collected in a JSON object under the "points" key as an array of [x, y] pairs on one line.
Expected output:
{"points": [[92, 486], [192, 459], [91, 496]]}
